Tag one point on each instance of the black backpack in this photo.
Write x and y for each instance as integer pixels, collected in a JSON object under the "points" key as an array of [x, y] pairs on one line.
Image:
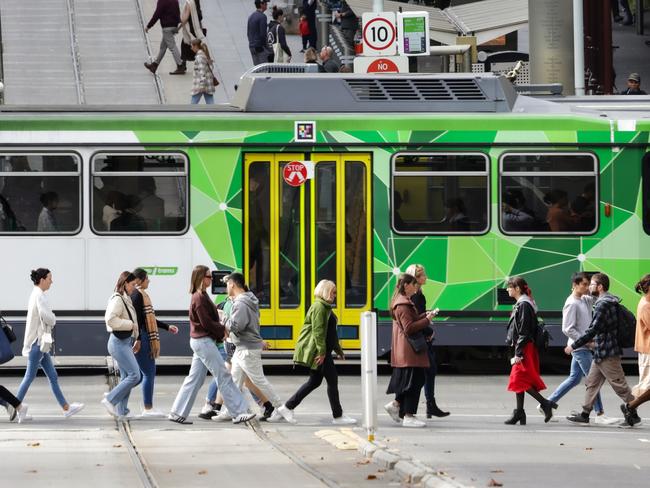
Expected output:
{"points": [[542, 335], [626, 326]]}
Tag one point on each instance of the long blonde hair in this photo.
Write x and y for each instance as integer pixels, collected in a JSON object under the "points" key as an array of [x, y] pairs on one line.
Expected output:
{"points": [[198, 273], [203, 47]]}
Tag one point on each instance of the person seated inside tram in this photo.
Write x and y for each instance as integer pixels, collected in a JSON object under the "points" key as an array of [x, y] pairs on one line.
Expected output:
{"points": [[558, 216], [515, 215], [455, 215], [128, 220], [47, 218]]}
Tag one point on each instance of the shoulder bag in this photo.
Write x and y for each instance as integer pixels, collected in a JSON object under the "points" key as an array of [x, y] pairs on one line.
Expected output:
{"points": [[6, 354], [417, 341], [7, 329]]}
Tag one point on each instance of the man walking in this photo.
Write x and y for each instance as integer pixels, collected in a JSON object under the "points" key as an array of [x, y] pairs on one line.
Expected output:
{"points": [[607, 352], [243, 324], [576, 318], [169, 14], [257, 42], [309, 11]]}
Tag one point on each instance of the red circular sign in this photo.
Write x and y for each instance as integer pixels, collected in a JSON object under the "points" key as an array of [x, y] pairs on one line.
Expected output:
{"points": [[381, 34], [295, 173], [382, 65]]}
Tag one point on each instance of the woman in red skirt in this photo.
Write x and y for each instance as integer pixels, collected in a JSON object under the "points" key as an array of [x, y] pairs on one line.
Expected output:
{"points": [[524, 376]]}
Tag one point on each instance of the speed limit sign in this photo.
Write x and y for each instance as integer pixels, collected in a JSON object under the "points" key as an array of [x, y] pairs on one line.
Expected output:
{"points": [[379, 34]]}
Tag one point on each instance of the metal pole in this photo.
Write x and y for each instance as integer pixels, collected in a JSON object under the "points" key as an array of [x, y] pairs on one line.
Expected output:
{"points": [[578, 48], [369, 372], [639, 17], [324, 18], [377, 6]]}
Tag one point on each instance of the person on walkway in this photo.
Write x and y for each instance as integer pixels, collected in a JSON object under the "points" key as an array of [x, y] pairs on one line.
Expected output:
{"points": [[256, 31], [349, 23], [317, 340], [626, 18], [38, 341], [642, 346], [633, 85], [191, 28], [607, 352], [123, 343], [309, 10], [203, 82], [243, 326], [149, 338], [15, 408], [524, 375], [409, 365], [576, 319], [205, 331], [277, 36], [420, 302], [328, 63], [303, 27], [169, 15]]}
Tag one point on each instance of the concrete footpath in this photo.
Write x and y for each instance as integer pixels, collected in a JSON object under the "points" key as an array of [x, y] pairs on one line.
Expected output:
{"points": [[472, 447]]}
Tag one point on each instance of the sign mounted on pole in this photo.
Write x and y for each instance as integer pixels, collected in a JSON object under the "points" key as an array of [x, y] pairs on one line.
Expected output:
{"points": [[379, 34], [381, 64], [413, 33], [295, 173]]}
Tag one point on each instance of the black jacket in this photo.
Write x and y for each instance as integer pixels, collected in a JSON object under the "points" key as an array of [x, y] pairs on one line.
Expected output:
{"points": [[521, 328], [276, 33]]}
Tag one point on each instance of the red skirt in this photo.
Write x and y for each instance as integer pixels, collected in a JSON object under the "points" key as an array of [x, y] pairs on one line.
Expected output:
{"points": [[525, 375]]}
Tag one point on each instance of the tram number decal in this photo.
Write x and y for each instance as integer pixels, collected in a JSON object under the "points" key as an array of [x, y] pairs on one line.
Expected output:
{"points": [[295, 173]]}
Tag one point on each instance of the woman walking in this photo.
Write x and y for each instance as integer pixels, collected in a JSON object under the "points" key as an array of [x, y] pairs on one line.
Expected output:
{"points": [[420, 302], [409, 365], [205, 332], [38, 341], [149, 339], [204, 81], [123, 344], [15, 407], [524, 375], [191, 28], [278, 38], [317, 341]]}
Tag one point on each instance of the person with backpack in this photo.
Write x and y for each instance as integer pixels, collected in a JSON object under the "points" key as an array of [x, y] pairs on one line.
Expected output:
{"points": [[604, 331], [576, 318], [642, 346], [277, 38], [522, 334]]}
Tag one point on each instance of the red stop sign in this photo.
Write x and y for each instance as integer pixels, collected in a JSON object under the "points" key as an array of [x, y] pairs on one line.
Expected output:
{"points": [[382, 65], [295, 173]]}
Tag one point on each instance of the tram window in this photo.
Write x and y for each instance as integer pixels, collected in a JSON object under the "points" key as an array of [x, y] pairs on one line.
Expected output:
{"points": [[289, 242], [440, 193], [645, 172], [139, 193], [259, 232], [356, 271], [549, 194], [40, 193]]}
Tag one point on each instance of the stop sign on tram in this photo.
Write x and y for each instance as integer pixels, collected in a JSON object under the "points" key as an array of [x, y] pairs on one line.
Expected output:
{"points": [[295, 173]]}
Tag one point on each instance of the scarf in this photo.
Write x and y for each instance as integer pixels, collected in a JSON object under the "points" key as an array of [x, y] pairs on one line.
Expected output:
{"points": [[151, 325], [196, 24]]}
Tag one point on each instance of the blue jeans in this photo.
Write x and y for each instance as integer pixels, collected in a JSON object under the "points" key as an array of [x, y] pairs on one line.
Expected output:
{"points": [[130, 376], [207, 358], [35, 360], [580, 366], [214, 387], [147, 368], [209, 98]]}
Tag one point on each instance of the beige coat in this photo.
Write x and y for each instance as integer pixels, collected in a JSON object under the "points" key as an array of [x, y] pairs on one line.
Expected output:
{"points": [[117, 316], [642, 339]]}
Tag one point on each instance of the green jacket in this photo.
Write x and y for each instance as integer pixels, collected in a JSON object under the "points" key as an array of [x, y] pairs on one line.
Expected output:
{"points": [[312, 340]]}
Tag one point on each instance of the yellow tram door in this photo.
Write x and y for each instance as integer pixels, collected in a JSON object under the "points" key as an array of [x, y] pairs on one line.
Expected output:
{"points": [[340, 235], [274, 246]]}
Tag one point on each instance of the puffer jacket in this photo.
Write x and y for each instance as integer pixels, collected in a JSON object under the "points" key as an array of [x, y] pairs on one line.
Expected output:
{"points": [[603, 329]]}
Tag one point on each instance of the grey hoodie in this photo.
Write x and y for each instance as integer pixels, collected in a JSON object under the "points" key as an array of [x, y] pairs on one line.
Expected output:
{"points": [[244, 322]]}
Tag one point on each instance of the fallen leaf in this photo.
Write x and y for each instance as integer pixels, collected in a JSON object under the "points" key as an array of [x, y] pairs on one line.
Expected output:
{"points": [[447, 452], [203, 471], [322, 458], [371, 477], [561, 443], [117, 445], [99, 465], [496, 471], [32, 471], [441, 473], [494, 482], [363, 461], [589, 448], [381, 470], [33, 444]]}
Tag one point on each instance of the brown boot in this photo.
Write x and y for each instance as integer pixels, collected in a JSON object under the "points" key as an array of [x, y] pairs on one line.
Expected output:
{"points": [[151, 67], [180, 70]]}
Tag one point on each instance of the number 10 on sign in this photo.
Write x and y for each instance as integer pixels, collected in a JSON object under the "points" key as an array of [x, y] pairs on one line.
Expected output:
{"points": [[379, 34]]}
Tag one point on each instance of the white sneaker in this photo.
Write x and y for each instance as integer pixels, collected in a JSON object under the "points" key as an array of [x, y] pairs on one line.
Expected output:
{"points": [[275, 417], [412, 422], [152, 413], [110, 408], [287, 414], [22, 413], [207, 408], [605, 420], [223, 416], [393, 411], [72, 409], [243, 417], [344, 420]]}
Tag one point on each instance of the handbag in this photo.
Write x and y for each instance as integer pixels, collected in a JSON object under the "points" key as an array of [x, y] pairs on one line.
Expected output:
{"points": [[215, 82], [417, 341], [8, 330], [6, 354]]}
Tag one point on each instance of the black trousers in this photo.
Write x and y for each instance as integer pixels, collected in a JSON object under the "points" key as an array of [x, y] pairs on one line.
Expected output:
{"points": [[430, 374], [328, 371], [409, 399], [8, 397]]}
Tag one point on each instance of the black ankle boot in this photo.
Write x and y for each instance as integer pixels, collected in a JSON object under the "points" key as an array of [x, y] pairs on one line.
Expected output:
{"points": [[434, 411], [517, 416], [548, 408]]}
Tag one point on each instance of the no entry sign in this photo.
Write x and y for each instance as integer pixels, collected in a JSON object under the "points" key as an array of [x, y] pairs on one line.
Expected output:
{"points": [[295, 173], [379, 34]]}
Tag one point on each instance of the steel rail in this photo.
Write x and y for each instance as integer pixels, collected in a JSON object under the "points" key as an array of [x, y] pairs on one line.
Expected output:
{"points": [[76, 62], [159, 89]]}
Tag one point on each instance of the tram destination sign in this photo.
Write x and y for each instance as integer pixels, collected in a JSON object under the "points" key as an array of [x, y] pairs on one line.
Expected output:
{"points": [[379, 34]]}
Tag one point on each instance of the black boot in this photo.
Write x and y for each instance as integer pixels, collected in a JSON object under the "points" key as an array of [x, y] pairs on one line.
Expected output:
{"points": [[548, 407], [434, 411], [180, 70], [518, 415], [151, 67]]}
